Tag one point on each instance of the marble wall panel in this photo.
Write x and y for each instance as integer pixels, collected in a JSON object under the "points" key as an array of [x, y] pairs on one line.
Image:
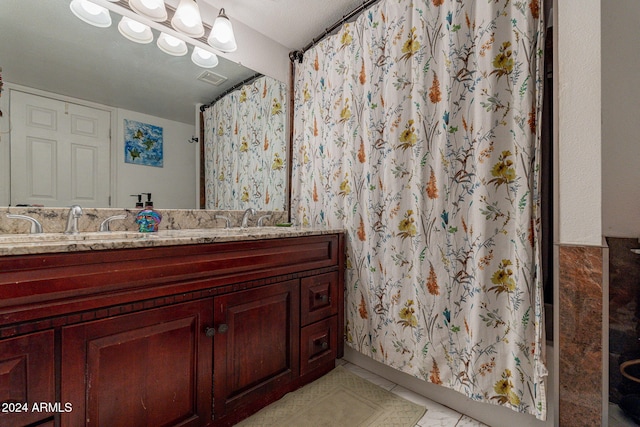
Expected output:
{"points": [[580, 335], [53, 220]]}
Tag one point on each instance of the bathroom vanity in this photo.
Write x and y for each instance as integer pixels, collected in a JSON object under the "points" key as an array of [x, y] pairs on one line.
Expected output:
{"points": [[185, 328]]}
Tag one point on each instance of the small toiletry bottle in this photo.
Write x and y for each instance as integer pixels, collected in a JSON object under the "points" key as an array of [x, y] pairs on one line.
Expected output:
{"points": [[139, 202], [148, 219]]}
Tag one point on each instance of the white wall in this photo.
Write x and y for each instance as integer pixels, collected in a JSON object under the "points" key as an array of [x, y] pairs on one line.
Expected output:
{"points": [[174, 184], [4, 149], [578, 122], [620, 121]]}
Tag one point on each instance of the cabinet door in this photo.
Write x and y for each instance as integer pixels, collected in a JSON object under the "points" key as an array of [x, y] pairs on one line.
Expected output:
{"points": [[255, 346], [151, 368], [26, 378]]}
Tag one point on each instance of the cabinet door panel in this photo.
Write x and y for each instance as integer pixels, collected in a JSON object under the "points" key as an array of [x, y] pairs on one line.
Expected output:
{"points": [[26, 377], [151, 368], [257, 352]]}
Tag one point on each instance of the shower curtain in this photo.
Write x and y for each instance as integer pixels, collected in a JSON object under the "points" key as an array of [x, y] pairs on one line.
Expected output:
{"points": [[416, 129], [246, 148]]}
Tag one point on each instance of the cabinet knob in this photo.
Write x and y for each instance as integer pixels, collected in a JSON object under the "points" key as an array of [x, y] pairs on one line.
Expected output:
{"points": [[323, 298], [223, 328], [210, 332], [322, 344]]}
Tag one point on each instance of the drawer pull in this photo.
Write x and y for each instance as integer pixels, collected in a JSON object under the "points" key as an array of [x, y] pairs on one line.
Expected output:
{"points": [[322, 344], [323, 298]]}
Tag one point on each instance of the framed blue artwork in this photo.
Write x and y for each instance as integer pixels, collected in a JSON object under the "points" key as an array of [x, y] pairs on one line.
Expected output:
{"points": [[142, 144]]}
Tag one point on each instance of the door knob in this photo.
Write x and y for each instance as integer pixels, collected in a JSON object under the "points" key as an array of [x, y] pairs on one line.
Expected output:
{"points": [[210, 332], [223, 328]]}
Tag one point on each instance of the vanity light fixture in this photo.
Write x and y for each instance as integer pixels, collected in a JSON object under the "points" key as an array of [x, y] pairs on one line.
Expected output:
{"points": [[91, 13], [203, 58], [140, 17], [187, 19], [221, 36], [171, 45], [152, 9], [135, 31]]}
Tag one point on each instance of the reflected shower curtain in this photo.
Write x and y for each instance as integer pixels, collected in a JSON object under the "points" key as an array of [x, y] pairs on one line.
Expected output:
{"points": [[416, 129], [246, 149]]}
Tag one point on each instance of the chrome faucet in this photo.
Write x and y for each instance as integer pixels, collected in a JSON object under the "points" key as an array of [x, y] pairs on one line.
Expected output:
{"points": [[75, 212], [261, 220], [227, 220], [245, 217], [104, 226], [36, 227]]}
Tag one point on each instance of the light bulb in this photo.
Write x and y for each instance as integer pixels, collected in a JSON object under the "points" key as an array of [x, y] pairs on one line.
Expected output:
{"points": [[187, 19]]}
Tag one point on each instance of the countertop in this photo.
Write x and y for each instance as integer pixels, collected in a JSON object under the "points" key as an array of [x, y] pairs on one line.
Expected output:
{"points": [[29, 244]]}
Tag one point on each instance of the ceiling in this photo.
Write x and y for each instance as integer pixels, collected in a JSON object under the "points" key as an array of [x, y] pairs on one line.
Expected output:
{"points": [[44, 46], [292, 23]]}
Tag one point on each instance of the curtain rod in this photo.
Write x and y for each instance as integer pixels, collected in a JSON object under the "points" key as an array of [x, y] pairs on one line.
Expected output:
{"points": [[231, 89], [298, 54]]}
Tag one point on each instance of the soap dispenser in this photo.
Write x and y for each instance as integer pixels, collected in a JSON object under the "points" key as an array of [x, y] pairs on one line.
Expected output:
{"points": [[139, 202], [148, 219]]}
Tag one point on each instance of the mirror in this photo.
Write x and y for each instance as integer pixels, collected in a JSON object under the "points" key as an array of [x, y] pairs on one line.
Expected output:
{"points": [[47, 51]]}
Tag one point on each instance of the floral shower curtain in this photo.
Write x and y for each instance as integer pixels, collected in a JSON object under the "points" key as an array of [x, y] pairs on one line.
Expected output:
{"points": [[245, 148], [416, 129]]}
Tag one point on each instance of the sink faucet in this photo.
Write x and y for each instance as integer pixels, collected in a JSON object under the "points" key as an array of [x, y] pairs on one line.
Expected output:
{"points": [[36, 227], [104, 226], [245, 217], [75, 212]]}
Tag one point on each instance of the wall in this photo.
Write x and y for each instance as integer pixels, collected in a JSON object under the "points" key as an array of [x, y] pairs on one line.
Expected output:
{"points": [[580, 257], [620, 124], [5, 126], [173, 185], [579, 128]]}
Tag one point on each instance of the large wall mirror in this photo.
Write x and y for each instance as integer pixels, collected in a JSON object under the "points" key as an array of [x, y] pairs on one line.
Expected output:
{"points": [[58, 69]]}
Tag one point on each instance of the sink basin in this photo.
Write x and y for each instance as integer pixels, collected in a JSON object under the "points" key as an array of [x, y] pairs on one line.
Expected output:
{"points": [[6, 239]]}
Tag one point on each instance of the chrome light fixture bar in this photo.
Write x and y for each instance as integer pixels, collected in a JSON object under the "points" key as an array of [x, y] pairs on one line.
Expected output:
{"points": [[124, 8]]}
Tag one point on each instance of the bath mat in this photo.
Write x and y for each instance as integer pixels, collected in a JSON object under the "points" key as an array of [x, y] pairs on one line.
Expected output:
{"points": [[339, 398]]}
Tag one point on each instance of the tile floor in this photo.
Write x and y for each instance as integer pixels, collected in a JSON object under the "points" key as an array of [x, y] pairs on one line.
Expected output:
{"points": [[437, 415], [617, 418]]}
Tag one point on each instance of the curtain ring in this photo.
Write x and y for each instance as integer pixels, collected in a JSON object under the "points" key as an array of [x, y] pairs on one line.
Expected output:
{"points": [[626, 364]]}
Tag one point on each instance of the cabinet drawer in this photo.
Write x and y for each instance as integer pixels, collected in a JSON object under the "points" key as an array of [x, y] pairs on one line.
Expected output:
{"points": [[26, 377], [318, 297], [318, 344]]}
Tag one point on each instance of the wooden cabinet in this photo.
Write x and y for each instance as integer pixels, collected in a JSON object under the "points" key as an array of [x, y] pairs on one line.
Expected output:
{"points": [[26, 378], [151, 368], [255, 345], [192, 335]]}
